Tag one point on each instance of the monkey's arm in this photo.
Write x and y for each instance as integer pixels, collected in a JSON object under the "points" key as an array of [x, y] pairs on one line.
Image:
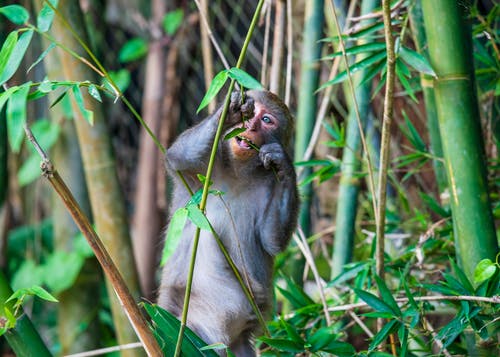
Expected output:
{"points": [[280, 216]]}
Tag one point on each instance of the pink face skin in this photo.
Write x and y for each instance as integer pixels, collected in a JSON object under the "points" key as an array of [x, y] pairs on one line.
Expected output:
{"points": [[244, 146]]}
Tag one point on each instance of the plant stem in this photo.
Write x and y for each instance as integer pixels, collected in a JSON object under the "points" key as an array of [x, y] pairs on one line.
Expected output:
{"points": [[208, 176], [386, 138]]}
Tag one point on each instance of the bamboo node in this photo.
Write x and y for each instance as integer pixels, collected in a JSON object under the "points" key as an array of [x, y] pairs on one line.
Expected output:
{"points": [[47, 168]]}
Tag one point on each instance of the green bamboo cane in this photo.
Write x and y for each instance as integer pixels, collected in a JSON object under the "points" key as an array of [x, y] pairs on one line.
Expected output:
{"points": [[450, 50], [307, 107], [347, 201], [419, 37], [208, 176]]}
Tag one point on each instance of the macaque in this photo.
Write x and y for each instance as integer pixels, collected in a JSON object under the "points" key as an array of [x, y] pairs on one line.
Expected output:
{"points": [[255, 217]]}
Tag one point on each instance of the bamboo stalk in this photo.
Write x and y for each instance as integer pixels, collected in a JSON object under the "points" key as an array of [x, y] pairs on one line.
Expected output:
{"points": [[450, 50], [131, 309]]}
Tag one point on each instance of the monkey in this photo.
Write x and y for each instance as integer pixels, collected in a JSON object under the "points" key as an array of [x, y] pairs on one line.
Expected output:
{"points": [[254, 217]]}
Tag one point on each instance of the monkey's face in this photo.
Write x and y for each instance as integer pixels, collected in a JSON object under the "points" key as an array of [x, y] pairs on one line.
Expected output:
{"points": [[259, 131]]}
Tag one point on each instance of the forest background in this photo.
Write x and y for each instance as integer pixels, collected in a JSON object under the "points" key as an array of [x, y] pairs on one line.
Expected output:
{"points": [[396, 251]]}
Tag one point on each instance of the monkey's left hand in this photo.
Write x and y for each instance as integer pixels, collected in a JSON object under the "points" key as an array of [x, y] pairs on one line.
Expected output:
{"points": [[274, 156], [240, 108]]}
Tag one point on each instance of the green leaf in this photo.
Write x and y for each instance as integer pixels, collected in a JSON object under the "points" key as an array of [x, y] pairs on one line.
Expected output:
{"points": [[16, 57], [16, 116], [434, 205], [400, 73], [291, 332], [61, 270], [46, 16], [42, 293], [417, 61], [87, 114], [27, 274], [363, 64], [369, 47], [388, 328], [234, 133], [174, 233], [244, 79], [413, 135], [485, 269], [215, 86], [29, 170], [42, 56], [133, 50], [282, 344], [386, 295], [199, 219], [121, 78], [7, 49], [172, 21], [15, 13], [350, 272], [464, 281], [94, 92], [376, 303]]}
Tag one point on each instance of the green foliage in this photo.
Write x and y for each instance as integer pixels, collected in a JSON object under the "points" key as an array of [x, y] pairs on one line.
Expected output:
{"points": [[133, 50], [172, 21]]}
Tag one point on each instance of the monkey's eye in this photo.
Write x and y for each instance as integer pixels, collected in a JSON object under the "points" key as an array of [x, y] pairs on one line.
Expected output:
{"points": [[267, 119]]}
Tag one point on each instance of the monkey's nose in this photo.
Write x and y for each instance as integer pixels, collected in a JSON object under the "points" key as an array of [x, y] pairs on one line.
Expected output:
{"points": [[252, 124]]}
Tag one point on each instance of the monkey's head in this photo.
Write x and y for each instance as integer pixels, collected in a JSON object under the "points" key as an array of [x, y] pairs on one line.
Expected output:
{"points": [[271, 122]]}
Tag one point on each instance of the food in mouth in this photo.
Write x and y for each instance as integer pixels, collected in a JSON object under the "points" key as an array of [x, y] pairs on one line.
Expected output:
{"points": [[245, 143]]}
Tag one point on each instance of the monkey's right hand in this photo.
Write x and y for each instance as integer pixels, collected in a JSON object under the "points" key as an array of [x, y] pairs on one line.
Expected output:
{"points": [[240, 109]]}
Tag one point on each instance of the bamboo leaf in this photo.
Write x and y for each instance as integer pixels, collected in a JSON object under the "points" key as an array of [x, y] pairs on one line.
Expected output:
{"points": [[386, 295], [198, 217], [87, 114], [133, 50], [234, 133], [16, 116], [42, 56], [7, 49], [416, 60], [354, 50], [16, 56], [15, 13], [215, 86], [413, 135], [402, 76], [244, 78], [282, 344], [94, 92], [363, 64], [174, 233], [376, 303], [388, 328], [46, 16]]}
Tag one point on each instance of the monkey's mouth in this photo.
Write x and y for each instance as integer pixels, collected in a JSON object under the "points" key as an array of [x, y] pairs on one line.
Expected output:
{"points": [[245, 143]]}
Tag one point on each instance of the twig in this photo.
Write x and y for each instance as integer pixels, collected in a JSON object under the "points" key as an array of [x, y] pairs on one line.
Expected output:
{"points": [[289, 54], [427, 325], [130, 307], [102, 351], [301, 242], [385, 138]]}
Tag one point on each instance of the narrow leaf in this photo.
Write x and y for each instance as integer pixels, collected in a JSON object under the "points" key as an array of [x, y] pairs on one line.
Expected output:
{"points": [[42, 56], [364, 63], [244, 79], [374, 301], [198, 217], [42, 293], [87, 114], [94, 92], [16, 56], [215, 86], [234, 133], [46, 16], [174, 233], [369, 47], [417, 61], [383, 333], [15, 13], [16, 116], [7, 49]]}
